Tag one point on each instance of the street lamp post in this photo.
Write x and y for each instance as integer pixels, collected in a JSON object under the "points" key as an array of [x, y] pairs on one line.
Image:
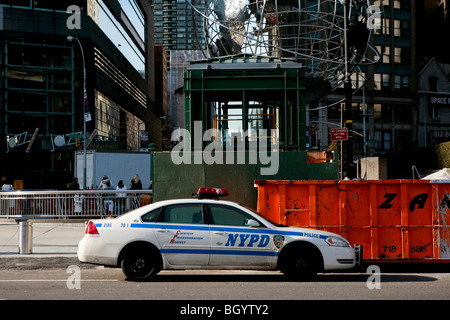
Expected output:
{"points": [[70, 39]]}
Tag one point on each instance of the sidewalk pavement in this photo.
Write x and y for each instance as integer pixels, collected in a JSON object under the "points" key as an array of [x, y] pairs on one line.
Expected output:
{"points": [[54, 239]]}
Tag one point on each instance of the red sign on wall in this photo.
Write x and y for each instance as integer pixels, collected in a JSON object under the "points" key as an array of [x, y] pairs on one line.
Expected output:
{"points": [[340, 134]]}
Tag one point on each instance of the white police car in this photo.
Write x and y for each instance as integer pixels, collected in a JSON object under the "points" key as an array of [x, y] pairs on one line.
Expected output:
{"points": [[209, 234]]}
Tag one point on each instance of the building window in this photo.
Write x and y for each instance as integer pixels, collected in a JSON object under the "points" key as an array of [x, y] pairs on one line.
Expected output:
{"points": [[381, 81], [382, 112], [397, 55], [357, 110], [358, 79], [381, 26], [401, 28], [377, 111], [107, 118], [397, 32], [401, 82], [385, 53], [381, 2], [114, 123], [383, 140], [402, 55], [381, 23], [433, 84], [433, 113], [39, 88], [334, 112]]}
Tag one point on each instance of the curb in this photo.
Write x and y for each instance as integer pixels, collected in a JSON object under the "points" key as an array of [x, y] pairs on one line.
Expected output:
{"points": [[48, 221]]}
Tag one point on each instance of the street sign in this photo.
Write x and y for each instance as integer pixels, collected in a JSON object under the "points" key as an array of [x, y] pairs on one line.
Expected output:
{"points": [[340, 134], [74, 136]]}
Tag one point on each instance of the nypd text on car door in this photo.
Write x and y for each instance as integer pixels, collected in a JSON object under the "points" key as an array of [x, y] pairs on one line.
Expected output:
{"points": [[237, 239]]}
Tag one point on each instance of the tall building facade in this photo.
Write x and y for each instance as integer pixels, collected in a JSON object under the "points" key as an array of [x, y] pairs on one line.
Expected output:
{"points": [[434, 77], [60, 58], [384, 112], [433, 21], [179, 28]]}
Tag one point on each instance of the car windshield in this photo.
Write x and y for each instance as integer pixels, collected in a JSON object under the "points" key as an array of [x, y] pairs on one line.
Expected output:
{"points": [[259, 215]]}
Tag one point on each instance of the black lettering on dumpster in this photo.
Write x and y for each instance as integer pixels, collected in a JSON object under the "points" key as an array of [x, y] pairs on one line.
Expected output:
{"points": [[389, 198], [446, 201], [418, 201]]}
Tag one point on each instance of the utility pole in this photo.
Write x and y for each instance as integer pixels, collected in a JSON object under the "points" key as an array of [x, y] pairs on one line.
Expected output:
{"points": [[348, 93]]}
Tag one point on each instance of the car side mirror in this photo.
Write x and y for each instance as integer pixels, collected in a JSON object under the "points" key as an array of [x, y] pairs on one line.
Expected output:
{"points": [[252, 223]]}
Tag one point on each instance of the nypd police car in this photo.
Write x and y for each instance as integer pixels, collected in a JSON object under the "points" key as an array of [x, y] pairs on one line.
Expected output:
{"points": [[209, 234]]}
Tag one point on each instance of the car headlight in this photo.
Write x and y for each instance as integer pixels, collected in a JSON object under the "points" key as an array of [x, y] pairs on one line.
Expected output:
{"points": [[337, 242]]}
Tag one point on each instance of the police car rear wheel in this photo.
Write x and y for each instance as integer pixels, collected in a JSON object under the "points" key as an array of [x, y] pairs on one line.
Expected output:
{"points": [[139, 266]]}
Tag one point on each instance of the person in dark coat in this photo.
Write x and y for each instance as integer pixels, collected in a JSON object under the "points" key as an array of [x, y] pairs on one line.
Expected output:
{"points": [[136, 183], [74, 185]]}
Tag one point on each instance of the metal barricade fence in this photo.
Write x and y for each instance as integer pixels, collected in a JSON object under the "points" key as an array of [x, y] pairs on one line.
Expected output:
{"points": [[71, 204]]}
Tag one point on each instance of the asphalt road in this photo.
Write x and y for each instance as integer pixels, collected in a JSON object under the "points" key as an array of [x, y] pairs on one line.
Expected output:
{"points": [[65, 278]]}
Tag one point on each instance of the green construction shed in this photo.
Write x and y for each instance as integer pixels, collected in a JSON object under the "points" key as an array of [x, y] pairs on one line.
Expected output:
{"points": [[245, 120]]}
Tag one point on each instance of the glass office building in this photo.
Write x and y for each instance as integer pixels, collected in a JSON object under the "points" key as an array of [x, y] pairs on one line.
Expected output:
{"points": [[42, 86]]}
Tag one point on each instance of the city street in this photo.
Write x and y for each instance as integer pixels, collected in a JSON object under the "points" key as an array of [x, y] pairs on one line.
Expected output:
{"points": [[53, 272], [67, 279]]}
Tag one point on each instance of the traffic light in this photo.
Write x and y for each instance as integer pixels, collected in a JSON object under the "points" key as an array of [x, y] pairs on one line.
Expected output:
{"points": [[313, 130]]}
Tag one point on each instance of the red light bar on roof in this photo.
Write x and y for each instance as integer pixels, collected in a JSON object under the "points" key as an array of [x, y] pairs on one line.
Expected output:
{"points": [[211, 193]]}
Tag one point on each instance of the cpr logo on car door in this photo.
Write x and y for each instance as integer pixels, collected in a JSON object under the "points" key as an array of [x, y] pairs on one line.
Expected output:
{"points": [[182, 235], [234, 242]]}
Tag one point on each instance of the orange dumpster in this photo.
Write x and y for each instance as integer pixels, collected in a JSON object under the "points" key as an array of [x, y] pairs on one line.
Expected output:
{"points": [[394, 220]]}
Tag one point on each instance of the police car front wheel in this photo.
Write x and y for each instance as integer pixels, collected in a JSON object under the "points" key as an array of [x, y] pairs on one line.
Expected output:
{"points": [[301, 262]]}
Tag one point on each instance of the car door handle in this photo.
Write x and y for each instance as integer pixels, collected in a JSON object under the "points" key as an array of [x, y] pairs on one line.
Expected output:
{"points": [[221, 232], [162, 230]]}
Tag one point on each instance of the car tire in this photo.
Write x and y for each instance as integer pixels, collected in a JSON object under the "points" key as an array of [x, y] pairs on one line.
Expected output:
{"points": [[301, 264], [138, 265]]}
